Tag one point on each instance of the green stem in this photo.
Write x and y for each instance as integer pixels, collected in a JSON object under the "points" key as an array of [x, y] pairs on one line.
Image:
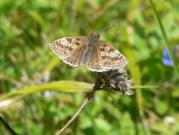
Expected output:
{"points": [[144, 87], [164, 35]]}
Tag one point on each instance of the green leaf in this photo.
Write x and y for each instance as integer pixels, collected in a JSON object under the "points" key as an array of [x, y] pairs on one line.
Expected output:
{"points": [[60, 86]]}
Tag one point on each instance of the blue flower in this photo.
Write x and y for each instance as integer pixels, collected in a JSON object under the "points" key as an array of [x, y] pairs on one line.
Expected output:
{"points": [[166, 58]]}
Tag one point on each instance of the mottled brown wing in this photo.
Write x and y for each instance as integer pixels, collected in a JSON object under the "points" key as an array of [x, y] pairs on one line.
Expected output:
{"points": [[111, 58], [67, 46], [106, 58]]}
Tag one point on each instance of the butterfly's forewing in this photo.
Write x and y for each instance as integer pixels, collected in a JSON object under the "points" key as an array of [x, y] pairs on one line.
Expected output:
{"points": [[111, 58], [66, 47]]}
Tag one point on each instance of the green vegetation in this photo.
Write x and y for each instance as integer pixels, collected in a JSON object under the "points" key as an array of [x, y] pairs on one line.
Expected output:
{"points": [[39, 93]]}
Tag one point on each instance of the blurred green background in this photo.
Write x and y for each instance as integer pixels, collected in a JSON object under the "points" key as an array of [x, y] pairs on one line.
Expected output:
{"points": [[27, 27]]}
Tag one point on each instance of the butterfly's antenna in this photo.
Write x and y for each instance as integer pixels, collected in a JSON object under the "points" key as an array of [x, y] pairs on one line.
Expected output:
{"points": [[106, 28], [87, 26]]}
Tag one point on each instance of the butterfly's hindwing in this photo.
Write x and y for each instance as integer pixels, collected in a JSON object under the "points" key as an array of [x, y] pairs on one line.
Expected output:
{"points": [[111, 58], [106, 58]]}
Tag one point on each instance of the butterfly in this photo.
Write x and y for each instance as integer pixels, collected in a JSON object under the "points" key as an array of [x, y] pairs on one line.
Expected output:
{"points": [[89, 52]]}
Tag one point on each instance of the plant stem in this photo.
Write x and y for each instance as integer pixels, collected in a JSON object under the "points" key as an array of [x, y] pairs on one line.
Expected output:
{"points": [[90, 96], [85, 102], [144, 86], [164, 35], [7, 126]]}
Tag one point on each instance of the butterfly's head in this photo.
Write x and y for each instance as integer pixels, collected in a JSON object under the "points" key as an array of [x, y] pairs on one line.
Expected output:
{"points": [[94, 37]]}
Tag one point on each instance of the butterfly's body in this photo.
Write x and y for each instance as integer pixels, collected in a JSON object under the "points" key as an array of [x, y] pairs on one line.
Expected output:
{"points": [[86, 55], [89, 49], [88, 52]]}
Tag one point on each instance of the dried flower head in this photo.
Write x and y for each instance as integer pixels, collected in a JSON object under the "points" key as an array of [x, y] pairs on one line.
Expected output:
{"points": [[115, 80]]}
